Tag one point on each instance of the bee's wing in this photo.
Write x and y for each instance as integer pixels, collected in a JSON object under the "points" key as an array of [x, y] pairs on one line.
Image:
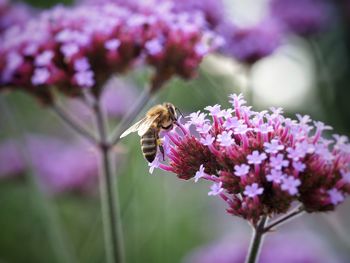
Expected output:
{"points": [[133, 128], [141, 126], [146, 125]]}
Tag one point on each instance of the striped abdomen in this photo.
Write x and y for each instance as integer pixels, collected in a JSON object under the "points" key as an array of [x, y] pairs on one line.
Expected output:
{"points": [[149, 144]]}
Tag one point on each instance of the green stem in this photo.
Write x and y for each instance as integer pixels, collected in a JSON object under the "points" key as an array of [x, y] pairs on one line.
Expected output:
{"points": [[299, 210], [109, 196], [256, 242]]}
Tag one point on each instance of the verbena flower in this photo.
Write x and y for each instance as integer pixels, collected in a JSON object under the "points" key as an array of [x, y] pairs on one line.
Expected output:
{"points": [[81, 47], [62, 166], [250, 44], [13, 14], [278, 248], [261, 171], [304, 17]]}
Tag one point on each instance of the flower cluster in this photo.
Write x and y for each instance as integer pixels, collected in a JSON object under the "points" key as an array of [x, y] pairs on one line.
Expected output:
{"points": [[59, 166], [250, 44], [81, 47], [13, 14], [260, 162], [304, 17]]}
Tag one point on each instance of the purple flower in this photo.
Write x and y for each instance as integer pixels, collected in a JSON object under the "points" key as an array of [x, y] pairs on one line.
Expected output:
{"points": [[277, 248], [273, 146], [275, 176], [251, 44], [241, 170], [213, 110], [216, 189], [85, 78], [304, 17], [63, 166], [208, 140], [41, 75], [253, 190], [278, 162], [292, 163], [13, 14], [154, 47], [112, 44], [225, 138], [290, 184], [242, 129], [44, 59], [335, 196], [256, 157], [199, 174], [205, 128], [113, 38], [81, 64]]}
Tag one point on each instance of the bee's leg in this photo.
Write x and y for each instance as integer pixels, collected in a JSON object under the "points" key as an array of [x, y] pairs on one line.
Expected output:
{"points": [[161, 148]]}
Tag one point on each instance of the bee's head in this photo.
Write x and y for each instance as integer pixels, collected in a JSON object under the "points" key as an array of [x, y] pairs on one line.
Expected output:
{"points": [[172, 110]]}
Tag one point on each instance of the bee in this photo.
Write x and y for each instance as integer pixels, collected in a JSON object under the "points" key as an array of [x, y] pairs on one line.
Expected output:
{"points": [[158, 118]]}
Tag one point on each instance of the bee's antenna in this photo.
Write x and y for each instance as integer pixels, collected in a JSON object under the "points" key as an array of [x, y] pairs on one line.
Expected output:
{"points": [[177, 109]]}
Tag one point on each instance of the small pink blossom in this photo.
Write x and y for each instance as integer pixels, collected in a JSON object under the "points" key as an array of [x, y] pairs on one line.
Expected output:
{"points": [[256, 157], [335, 196], [241, 170], [253, 190], [112, 44], [290, 184], [41, 75], [216, 189], [208, 140], [278, 162], [275, 176], [225, 138], [199, 174], [213, 110], [273, 147]]}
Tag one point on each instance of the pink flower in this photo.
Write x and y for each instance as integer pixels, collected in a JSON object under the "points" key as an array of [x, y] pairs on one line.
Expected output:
{"points": [[241, 170], [290, 184], [199, 174], [291, 163], [225, 138], [216, 189], [253, 190], [256, 157]]}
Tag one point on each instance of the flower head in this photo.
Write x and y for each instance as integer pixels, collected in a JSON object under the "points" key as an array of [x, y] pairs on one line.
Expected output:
{"points": [[305, 17], [72, 48], [292, 163], [253, 43]]}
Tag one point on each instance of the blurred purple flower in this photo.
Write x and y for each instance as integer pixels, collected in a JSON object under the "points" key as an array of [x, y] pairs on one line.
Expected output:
{"points": [[250, 44], [13, 14], [277, 249], [109, 39], [63, 166], [11, 159], [213, 10], [304, 17]]}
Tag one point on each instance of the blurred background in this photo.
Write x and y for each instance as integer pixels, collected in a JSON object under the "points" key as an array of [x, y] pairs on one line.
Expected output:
{"points": [[49, 202]]}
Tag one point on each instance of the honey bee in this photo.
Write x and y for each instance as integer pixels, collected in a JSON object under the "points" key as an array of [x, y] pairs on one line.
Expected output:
{"points": [[159, 117]]}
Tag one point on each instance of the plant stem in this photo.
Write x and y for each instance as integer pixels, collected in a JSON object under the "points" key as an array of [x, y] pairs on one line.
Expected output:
{"points": [[285, 218], [109, 196], [73, 124], [131, 115], [256, 242]]}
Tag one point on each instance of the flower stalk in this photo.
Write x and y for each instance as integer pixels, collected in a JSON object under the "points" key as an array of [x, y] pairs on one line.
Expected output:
{"points": [[256, 242], [109, 195]]}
